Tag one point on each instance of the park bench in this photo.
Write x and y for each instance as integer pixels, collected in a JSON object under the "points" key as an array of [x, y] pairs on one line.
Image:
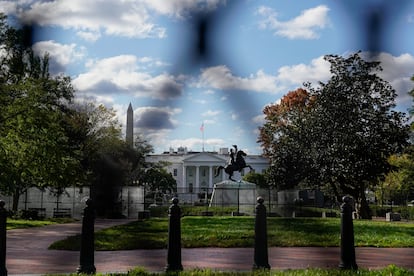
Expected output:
{"points": [[62, 213], [34, 213], [39, 212], [390, 216]]}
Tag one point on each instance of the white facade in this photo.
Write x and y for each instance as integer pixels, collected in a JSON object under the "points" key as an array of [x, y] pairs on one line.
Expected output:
{"points": [[195, 171]]}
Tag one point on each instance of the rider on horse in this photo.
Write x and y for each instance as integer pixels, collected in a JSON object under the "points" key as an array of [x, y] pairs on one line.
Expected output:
{"points": [[232, 153], [234, 165]]}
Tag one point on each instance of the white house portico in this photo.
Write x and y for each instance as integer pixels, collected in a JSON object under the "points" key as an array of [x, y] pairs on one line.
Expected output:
{"points": [[199, 170]]}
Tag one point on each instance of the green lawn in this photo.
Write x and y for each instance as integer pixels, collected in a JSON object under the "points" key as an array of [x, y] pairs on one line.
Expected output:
{"points": [[388, 271], [239, 232], [21, 223]]}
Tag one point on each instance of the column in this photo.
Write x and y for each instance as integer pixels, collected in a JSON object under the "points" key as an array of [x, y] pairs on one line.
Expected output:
{"points": [[210, 177], [197, 182], [184, 184]]}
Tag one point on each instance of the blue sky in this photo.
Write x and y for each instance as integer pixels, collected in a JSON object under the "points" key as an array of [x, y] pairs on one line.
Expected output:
{"points": [[146, 52]]}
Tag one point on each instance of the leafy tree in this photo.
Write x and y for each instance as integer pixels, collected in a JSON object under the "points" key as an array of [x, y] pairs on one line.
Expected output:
{"points": [[285, 140], [33, 143], [108, 161], [157, 181], [347, 134], [398, 184], [256, 178]]}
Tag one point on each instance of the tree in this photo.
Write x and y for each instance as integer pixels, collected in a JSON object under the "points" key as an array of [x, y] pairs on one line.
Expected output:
{"points": [[348, 132], [398, 184], [157, 181], [108, 161], [33, 143], [284, 139], [256, 178]]}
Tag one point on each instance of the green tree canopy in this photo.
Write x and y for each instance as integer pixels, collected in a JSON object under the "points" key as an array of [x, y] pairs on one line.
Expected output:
{"points": [[256, 178], [33, 142], [158, 179], [342, 140], [399, 183]]}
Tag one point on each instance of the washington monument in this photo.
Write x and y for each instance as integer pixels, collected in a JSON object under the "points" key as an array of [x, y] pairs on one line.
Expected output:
{"points": [[130, 126]]}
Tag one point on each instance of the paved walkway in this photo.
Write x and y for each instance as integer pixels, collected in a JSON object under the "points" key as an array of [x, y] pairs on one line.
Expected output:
{"points": [[27, 253]]}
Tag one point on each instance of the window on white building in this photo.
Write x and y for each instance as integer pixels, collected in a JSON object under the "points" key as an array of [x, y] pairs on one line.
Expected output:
{"points": [[175, 172]]}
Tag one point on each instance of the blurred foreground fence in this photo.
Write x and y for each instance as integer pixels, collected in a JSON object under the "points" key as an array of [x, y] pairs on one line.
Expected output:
{"points": [[133, 201], [236, 199]]}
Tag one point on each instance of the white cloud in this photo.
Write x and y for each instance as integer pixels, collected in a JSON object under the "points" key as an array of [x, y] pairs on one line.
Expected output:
{"points": [[209, 92], [209, 122], [91, 19], [259, 119], [196, 143], [120, 18], [398, 70], [89, 36], [180, 8], [304, 26], [60, 55], [120, 74], [395, 67], [220, 77], [317, 70], [7, 7], [211, 113]]}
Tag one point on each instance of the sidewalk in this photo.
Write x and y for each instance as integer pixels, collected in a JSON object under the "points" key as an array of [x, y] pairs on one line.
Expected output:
{"points": [[27, 253]]}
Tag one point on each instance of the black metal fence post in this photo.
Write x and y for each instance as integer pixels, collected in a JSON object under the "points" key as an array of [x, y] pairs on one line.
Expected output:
{"points": [[3, 238], [347, 235], [260, 229], [174, 238], [87, 250]]}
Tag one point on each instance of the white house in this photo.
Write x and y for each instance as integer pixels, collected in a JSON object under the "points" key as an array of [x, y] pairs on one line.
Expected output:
{"points": [[195, 171]]}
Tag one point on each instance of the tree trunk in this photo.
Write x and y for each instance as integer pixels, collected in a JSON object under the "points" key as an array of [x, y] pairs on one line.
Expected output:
{"points": [[364, 211], [16, 197]]}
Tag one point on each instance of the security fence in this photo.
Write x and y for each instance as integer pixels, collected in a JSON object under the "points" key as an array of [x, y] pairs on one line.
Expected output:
{"points": [[241, 199], [136, 202], [43, 203]]}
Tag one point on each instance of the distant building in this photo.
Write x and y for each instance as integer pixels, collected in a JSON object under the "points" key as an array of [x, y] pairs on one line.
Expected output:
{"points": [[195, 171], [192, 170]]}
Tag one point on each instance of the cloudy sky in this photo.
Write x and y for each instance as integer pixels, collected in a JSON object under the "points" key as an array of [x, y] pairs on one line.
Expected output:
{"points": [[184, 63]]}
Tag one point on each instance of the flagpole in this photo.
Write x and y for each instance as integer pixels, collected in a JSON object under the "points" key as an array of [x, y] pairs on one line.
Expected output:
{"points": [[202, 133]]}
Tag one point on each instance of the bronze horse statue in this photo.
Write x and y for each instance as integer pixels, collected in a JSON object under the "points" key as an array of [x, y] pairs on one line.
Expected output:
{"points": [[238, 165]]}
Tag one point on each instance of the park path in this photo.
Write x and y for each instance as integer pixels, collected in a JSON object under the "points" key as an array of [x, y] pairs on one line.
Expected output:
{"points": [[27, 253]]}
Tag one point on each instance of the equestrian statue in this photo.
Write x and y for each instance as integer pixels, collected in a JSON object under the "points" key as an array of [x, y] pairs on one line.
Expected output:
{"points": [[234, 165]]}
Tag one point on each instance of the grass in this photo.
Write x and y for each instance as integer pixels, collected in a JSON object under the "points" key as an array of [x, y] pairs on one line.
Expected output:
{"points": [[239, 232], [21, 223], [25, 223], [388, 271]]}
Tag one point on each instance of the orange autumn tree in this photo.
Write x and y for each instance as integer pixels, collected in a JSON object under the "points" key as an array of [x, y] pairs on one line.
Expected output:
{"points": [[283, 133]]}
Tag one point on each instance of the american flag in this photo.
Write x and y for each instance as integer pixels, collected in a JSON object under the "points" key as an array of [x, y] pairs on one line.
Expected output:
{"points": [[202, 127]]}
